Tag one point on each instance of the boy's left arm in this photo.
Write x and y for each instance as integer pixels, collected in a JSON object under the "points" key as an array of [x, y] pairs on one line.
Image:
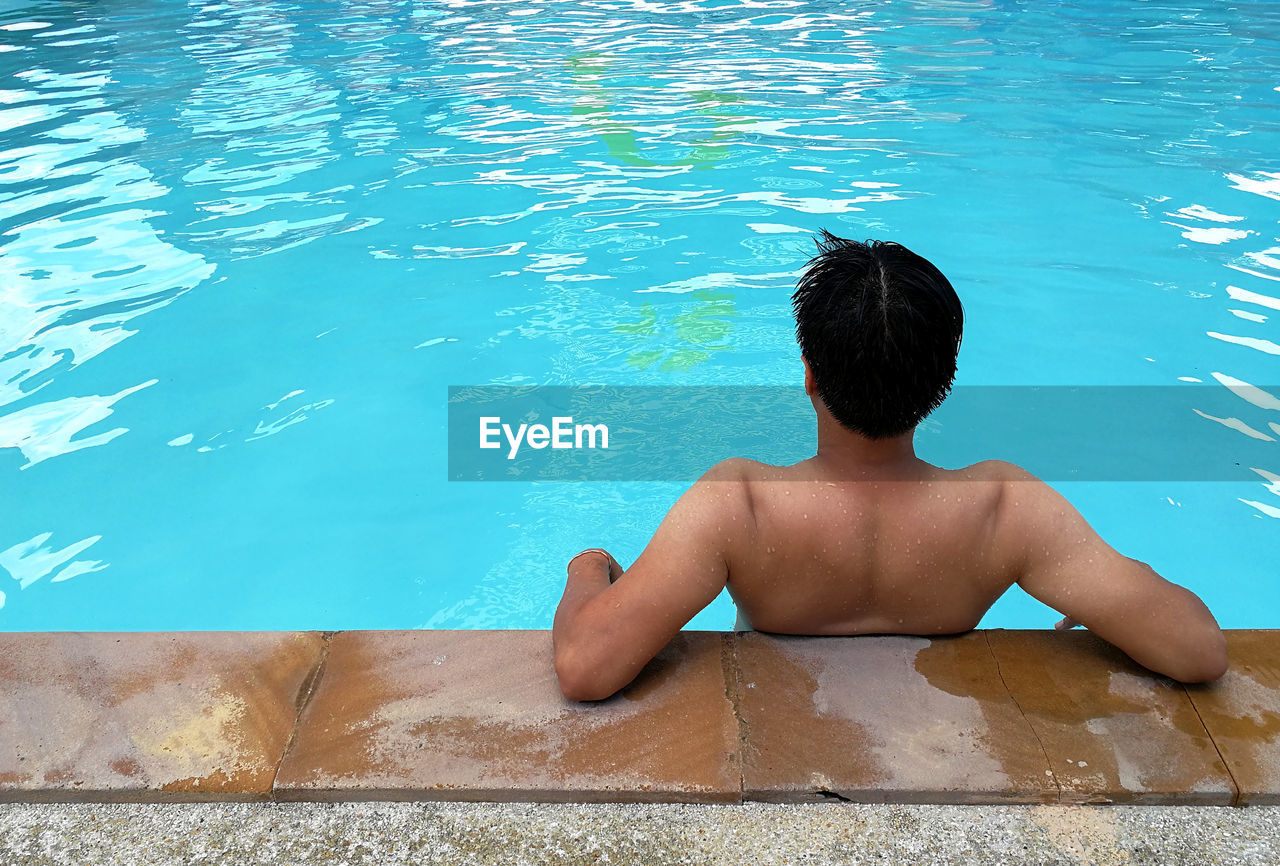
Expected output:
{"points": [[606, 630]]}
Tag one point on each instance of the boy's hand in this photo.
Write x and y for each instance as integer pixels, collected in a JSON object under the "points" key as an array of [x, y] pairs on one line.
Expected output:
{"points": [[1066, 623], [615, 570], [611, 622]]}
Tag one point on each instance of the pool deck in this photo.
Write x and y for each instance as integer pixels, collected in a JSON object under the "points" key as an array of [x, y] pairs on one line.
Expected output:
{"points": [[557, 834], [990, 717]]}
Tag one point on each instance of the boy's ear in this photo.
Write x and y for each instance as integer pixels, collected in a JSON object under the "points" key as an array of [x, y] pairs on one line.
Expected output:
{"points": [[808, 376]]}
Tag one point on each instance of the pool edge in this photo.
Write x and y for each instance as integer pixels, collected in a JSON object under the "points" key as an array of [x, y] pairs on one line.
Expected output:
{"points": [[990, 717]]}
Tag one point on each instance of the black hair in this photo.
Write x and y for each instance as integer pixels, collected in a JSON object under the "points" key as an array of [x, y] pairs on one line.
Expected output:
{"points": [[880, 327]]}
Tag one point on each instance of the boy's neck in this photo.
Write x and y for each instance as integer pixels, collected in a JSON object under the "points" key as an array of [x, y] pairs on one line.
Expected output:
{"points": [[847, 452]]}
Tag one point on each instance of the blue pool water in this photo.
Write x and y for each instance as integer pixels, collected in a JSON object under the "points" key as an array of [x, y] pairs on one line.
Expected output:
{"points": [[245, 246]]}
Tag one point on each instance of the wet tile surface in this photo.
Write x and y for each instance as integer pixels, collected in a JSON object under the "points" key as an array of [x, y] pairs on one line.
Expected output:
{"points": [[1242, 714], [475, 715], [1113, 731], [148, 716], [884, 719]]}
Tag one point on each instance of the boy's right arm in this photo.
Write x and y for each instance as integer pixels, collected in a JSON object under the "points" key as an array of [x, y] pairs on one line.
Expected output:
{"points": [[1063, 563]]}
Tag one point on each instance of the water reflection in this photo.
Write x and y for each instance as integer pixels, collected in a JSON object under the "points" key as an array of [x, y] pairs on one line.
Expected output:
{"points": [[261, 120], [35, 559], [80, 257], [1239, 227], [605, 190], [45, 430]]}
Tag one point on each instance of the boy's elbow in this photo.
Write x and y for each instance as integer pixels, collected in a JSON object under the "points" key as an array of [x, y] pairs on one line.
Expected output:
{"points": [[1209, 663], [575, 687], [577, 679], [1200, 672], [1215, 662]]}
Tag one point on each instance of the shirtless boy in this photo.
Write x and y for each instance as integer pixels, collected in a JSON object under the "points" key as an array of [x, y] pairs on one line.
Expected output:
{"points": [[865, 537]]}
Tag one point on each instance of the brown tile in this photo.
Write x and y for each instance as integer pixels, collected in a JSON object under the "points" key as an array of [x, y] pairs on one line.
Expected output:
{"points": [[477, 715], [1113, 731], [161, 716], [883, 719], [1241, 711]]}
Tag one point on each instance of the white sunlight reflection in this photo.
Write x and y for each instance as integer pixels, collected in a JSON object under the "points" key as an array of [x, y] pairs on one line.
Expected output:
{"points": [[29, 561], [46, 429]]}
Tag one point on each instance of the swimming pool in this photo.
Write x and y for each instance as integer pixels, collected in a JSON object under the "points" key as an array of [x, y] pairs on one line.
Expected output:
{"points": [[246, 247]]}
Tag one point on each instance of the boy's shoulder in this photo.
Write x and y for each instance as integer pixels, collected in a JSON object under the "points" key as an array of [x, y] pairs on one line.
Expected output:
{"points": [[996, 470], [999, 471], [996, 473], [744, 469]]}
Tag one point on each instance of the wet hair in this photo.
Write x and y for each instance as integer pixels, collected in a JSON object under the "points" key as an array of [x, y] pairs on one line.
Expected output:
{"points": [[880, 327]]}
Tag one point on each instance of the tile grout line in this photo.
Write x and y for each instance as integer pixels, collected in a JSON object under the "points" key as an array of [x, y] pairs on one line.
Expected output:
{"points": [[1239, 792], [986, 636], [308, 690], [732, 683]]}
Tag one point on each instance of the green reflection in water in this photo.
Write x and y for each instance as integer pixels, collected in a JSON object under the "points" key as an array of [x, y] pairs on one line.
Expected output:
{"points": [[706, 327], [588, 67], [689, 337]]}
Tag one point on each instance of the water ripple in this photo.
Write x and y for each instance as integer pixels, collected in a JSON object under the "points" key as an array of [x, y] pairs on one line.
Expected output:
{"points": [[80, 256], [192, 191]]}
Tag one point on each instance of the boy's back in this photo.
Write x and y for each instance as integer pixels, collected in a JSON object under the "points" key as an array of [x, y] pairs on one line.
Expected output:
{"points": [[833, 556]]}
